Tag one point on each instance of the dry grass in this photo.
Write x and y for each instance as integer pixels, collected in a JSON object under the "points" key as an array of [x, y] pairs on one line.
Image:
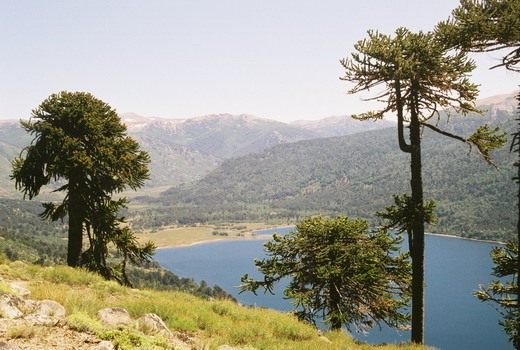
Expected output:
{"points": [[212, 323], [187, 235], [22, 331]]}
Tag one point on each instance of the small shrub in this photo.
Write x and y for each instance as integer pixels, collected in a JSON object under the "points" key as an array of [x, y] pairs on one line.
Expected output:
{"points": [[293, 331], [3, 258], [220, 233], [128, 339], [4, 288], [220, 309], [69, 275], [21, 331], [82, 322], [247, 335]]}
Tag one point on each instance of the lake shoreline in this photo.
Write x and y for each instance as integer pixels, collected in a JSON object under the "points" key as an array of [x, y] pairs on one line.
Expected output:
{"points": [[268, 236], [466, 238], [454, 268], [216, 240]]}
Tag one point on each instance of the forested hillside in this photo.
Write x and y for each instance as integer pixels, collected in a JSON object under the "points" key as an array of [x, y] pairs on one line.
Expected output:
{"points": [[185, 150], [356, 175]]}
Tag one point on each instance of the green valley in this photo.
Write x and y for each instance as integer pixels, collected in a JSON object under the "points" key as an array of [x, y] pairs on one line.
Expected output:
{"points": [[354, 174]]}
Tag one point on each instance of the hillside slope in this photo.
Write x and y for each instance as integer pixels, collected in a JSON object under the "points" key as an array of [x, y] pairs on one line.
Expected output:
{"points": [[357, 175], [186, 150], [339, 126], [194, 322]]}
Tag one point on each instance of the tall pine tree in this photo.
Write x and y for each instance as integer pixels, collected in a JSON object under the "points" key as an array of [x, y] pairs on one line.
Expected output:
{"points": [[416, 78], [80, 146], [484, 26]]}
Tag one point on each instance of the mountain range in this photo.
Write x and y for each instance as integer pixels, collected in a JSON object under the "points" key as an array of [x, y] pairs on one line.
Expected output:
{"points": [[241, 167], [184, 150], [357, 175]]}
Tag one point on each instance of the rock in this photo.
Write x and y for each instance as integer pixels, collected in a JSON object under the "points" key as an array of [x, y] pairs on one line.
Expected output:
{"points": [[30, 306], [114, 317], [104, 345], [47, 321], [178, 344], [49, 308], [7, 346], [325, 339], [44, 313], [152, 324], [19, 288], [10, 306]]}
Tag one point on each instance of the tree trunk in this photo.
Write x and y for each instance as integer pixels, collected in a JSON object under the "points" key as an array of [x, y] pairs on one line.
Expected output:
{"points": [[334, 302], [417, 253], [517, 343], [75, 212]]}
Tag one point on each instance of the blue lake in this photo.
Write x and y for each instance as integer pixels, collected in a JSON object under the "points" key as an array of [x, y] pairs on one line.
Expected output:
{"points": [[454, 269]]}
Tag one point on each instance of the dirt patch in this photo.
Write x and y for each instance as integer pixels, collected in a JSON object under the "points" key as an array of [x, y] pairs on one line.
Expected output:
{"points": [[18, 334]]}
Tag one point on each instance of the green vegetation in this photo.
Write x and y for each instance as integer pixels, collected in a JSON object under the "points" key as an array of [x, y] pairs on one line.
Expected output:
{"points": [[80, 139], [18, 216], [505, 293], [153, 276], [21, 331], [483, 26], [186, 235], [52, 250], [212, 323], [356, 174], [338, 271], [417, 78]]}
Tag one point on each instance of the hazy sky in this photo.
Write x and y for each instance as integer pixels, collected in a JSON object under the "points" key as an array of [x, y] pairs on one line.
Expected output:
{"points": [[275, 59]]}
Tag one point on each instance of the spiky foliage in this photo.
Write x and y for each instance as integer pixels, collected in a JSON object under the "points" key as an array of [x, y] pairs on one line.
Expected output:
{"points": [[483, 26], [340, 271], [416, 78], [504, 292], [402, 215], [80, 141]]}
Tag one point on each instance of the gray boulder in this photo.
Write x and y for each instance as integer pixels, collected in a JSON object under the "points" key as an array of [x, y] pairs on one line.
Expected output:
{"points": [[114, 317], [18, 287], [152, 324], [7, 346], [104, 345], [50, 308], [45, 312], [10, 306]]}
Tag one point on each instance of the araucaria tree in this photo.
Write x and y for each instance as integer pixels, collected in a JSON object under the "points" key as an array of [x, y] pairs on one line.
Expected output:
{"points": [[483, 26], [416, 79], [81, 146], [340, 271]]}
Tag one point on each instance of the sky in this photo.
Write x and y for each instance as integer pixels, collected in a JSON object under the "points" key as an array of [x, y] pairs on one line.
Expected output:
{"points": [[181, 59]]}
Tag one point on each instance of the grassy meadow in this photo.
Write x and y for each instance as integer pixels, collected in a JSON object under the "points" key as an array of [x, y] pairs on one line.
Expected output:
{"points": [[208, 323], [174, 236]]}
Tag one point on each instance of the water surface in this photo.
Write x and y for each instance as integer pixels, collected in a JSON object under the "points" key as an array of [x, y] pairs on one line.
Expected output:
{"points": [[454, 269]]}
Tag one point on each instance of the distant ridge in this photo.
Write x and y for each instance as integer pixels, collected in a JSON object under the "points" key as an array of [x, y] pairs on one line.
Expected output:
{"points": [[340, 126], [357, 175], [504, 102], [185, 150]]}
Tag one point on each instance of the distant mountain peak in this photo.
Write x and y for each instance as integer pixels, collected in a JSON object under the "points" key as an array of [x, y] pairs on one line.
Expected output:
{"points": [[230, 118], [504, 102], [339, 125]]}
